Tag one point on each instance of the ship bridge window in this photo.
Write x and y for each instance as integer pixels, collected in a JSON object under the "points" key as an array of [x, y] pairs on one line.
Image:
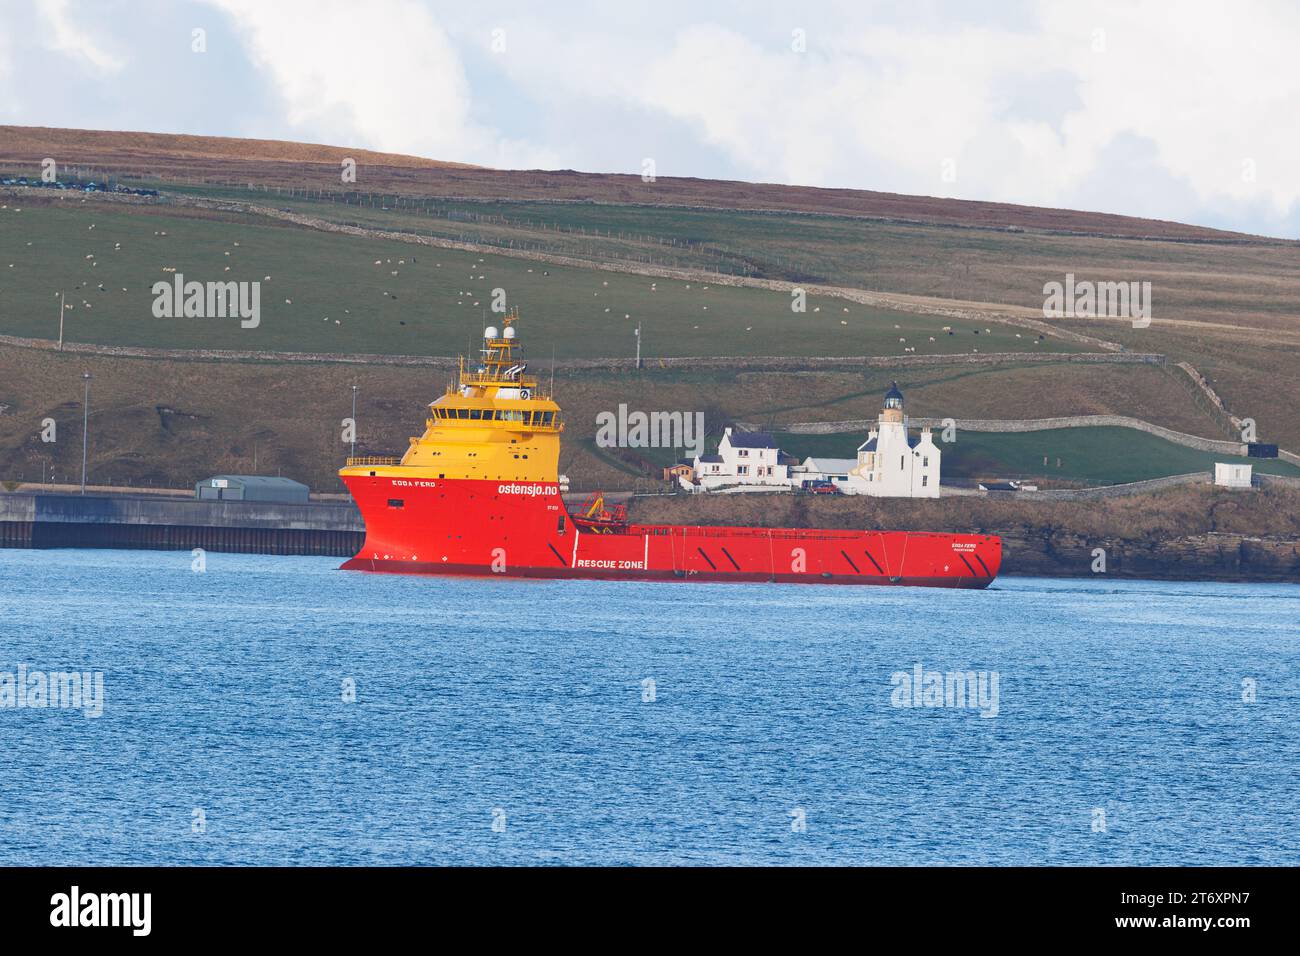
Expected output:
{"points": [[476, 414]]}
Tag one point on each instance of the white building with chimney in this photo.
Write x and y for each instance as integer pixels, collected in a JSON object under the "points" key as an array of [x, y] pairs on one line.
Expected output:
{"points": [[749, 459]]}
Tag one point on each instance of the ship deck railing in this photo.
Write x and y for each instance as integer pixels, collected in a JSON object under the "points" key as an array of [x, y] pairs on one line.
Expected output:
{"points": [[374, 460], [724, 531]]}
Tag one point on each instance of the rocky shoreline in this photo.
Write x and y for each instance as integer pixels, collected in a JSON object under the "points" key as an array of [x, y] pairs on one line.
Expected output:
{"points": [[1193, 532]]}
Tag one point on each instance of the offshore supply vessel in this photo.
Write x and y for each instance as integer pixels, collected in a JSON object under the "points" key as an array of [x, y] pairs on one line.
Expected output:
{"points": [[480, 493]]}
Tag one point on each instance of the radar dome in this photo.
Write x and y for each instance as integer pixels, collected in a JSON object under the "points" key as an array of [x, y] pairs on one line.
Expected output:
{"points": [[490, 332], [509, 332]]}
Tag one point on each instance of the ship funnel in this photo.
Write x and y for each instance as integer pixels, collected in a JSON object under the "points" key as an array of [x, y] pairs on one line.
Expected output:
{"points": [[509, 332], [490, 332]]}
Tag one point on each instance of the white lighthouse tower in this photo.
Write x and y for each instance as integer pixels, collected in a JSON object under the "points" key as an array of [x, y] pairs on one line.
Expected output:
{"points": [[890, 463]]}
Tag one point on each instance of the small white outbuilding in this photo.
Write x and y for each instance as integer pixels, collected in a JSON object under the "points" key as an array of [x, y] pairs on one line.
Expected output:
{"points": [[1231, 475]]}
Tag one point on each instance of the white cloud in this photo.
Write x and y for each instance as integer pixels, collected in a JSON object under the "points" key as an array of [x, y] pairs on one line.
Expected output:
{"points": [[381, 75], [7, 100], [67, 35], [1170, 119], [1210, 88], [1026, 111]]}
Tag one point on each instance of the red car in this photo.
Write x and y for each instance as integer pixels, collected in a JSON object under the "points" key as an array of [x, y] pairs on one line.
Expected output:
{"points": [[821, 487]]}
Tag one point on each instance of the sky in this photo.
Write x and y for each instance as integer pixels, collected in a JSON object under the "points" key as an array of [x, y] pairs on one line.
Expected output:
{"points": [[1186, 110]]}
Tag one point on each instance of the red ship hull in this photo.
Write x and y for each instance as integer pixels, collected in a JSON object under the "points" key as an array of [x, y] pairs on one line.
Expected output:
{"points": [[522, 529]]}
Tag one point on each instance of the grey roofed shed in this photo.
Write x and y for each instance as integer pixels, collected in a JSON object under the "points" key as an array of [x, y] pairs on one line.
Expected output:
{"points": [[252, 488]]}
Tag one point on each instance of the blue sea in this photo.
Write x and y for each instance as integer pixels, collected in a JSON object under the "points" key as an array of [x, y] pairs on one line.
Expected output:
{"points": [[275, 710]]}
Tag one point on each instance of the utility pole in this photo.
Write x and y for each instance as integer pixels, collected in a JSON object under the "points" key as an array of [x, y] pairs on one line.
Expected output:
{"points": [[354, 421], [638, 343], [61, 308], [85, 423]]}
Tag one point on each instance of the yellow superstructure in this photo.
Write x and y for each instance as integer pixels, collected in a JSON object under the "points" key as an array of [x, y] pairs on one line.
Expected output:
{"points": [[493, 423]]}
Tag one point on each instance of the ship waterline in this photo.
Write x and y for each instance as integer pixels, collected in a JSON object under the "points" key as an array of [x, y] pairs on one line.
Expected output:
{"points": [[479, 494]]}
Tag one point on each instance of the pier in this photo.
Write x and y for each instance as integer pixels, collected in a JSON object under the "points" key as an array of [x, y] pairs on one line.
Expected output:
{"points": [[45, 520]]}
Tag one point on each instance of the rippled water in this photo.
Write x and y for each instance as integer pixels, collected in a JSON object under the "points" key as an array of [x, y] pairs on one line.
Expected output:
{"points": [[524, 704]]}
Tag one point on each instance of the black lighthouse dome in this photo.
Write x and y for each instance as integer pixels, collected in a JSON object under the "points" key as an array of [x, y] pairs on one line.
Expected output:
{"points": [[893, 397]]}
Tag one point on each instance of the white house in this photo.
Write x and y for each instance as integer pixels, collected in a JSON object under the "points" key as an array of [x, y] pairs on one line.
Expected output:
{"points": [[743, 458], [1231, 475], [892, 464]]}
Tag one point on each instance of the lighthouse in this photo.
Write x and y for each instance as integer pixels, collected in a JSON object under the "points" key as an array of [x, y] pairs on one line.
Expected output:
{"points": [[891, 463]]}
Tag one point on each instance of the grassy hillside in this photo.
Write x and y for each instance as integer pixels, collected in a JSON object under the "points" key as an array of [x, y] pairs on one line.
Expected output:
{"points": [[169, 422], [1241, 283], [337, 293], [82, 145], [264, 162], [1225, 303]]}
